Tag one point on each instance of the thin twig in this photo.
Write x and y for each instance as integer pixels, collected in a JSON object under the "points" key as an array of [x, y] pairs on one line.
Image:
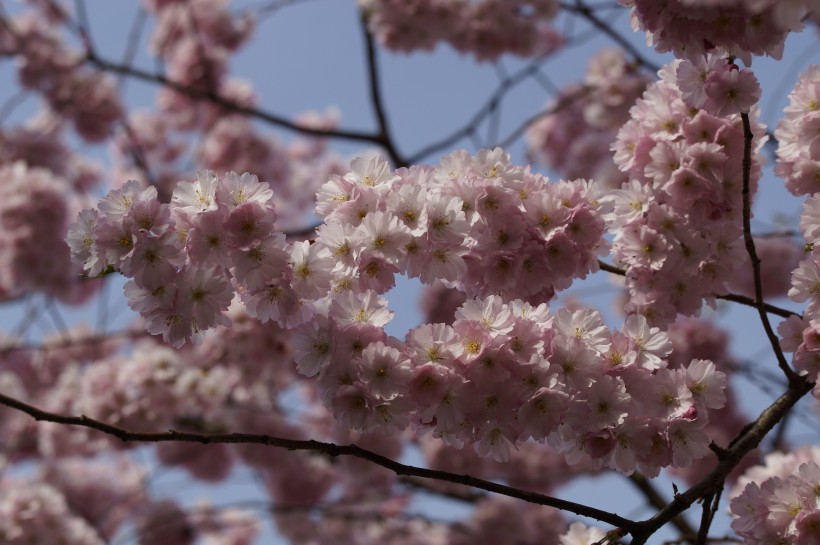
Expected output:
{"points": [[460, 494], [589, 14], [137, 152], [134, 37], [376, 101], [83, 24], [748, 136], [563, 102], [469, 128], [74, 342], [705, 520], [12, 103], [228, 104]]}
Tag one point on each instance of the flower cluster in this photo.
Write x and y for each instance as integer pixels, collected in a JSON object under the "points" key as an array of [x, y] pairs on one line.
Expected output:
{"points": [[690, 28], [533, 466], [778, 502], [34, 209], [497, 231], [798, 136], [677, 223], [478, 222], [576, 383], [86, 502], [696, 338], [148, 391], [20, 504], [178, 255], [45, 64], [104, 495], [196, 39], [575, 139], [717, 86], [504, 520], [579, 534], [801, 335], [41, 142], [486, 28]]}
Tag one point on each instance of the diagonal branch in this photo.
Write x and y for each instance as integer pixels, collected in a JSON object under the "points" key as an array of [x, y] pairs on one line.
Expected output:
{"points": [[747, 440], [748, 136], [657, 501], [376, 99], [589, 14], [328, 449], [227, 104], [563, 102]]}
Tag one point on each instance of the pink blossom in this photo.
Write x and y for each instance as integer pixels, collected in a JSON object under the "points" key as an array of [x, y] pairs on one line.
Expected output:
{"points": [[730, 91], [384, 370], [198, 196], [248, 224], [578, 534], [706, 384], [311, 270]]}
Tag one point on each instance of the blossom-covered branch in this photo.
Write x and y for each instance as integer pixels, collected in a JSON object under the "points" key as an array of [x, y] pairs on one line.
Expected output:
{"points": [[328, 449]]}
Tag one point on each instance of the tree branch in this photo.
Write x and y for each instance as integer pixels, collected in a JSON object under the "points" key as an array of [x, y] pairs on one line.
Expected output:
{"points": [[328, 449], [562, 103], [587, 13], [748, 136], [227, 104], [746, 441], [657, 501], [735, 298], [376, 99]]}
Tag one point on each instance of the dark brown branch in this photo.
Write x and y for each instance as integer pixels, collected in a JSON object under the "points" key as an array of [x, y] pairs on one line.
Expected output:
{"points": [[589, 14], [328, 449], [709, 510], [228, 104], [749, 302], [748, 137], [376, 99], [137, 153], [746, 441], [657, 501], [705, 520], [460, 494], [742, 299]]}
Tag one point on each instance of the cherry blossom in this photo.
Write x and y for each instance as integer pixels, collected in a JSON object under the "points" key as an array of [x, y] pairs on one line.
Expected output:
{"points": [[256, 320]]}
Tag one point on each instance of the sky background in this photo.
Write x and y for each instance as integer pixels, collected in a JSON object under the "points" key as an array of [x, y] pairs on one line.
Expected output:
{"points": [[309, 56]]}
